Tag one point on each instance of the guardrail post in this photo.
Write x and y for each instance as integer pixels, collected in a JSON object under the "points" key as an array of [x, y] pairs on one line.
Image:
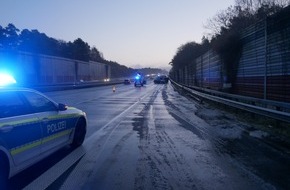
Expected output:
{"points": [[278, 123], [253, 115]]}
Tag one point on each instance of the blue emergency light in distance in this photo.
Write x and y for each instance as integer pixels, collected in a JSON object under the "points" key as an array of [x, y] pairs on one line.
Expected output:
{"points": [[138, 76], [6, 79]]}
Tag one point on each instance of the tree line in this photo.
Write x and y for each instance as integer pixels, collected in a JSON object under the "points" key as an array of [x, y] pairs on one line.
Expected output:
{"points": [[33, 41], [12, 39], [225, 32]]}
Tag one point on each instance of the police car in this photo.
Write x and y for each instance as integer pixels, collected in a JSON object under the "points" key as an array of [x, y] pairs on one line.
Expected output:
{"points": [[32, 126], [138, 80]]}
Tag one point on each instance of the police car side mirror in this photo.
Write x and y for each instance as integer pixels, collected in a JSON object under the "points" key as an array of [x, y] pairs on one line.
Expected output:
{"points": [[62, 107]]}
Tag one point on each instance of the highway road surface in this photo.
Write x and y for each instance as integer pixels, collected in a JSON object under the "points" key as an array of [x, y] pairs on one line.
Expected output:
{"points": [[151, 137]]}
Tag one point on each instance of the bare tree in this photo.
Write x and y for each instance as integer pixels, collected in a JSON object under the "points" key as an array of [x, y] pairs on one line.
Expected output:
{"points": [[245, 9], [254, 5], [219, 21]]}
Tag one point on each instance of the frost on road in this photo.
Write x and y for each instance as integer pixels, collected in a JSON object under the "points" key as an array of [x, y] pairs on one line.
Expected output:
{"points": [[166, 141]]}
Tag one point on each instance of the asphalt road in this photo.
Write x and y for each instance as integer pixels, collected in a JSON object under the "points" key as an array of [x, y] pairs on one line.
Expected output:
{"points": [[153, 138]]}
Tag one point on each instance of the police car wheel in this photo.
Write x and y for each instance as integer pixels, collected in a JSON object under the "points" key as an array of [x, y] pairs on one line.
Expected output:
{"points": [[3, 173], [79, 135]]}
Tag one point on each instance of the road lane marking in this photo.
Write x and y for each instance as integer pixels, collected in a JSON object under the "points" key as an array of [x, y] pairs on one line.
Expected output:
{"points": [[51, 175], [75, 179]]}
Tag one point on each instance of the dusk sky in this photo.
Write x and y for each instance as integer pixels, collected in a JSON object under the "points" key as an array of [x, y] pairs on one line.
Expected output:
{"points": [[130, 32]]}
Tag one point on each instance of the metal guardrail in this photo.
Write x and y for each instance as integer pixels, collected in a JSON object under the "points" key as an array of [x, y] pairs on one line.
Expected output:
{"points": [[272, 109]]}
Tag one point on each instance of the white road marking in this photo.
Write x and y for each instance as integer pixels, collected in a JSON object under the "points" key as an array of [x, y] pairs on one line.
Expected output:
{"points": [[51, 175]]}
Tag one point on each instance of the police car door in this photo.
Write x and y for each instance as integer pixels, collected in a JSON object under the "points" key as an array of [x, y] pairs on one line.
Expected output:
{"points": [[20, 130], [53, 123]]}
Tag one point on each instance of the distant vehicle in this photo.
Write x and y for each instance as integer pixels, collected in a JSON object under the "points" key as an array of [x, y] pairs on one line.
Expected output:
{"points": [[127, 81], [138, 80], [161, 79], [33, 127]]}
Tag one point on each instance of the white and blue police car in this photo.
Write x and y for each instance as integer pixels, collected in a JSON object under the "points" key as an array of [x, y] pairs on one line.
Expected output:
{"points": [[32, 127]]}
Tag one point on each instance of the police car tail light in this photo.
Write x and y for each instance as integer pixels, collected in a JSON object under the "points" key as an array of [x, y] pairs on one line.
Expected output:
{"points": [[6, 79]]}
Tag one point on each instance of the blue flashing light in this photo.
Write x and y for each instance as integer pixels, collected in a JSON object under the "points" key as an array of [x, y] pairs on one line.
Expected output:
{"points": [[6, 79], [138, 76]]}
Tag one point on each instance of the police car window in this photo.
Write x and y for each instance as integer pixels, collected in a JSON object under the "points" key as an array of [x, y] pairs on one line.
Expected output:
{"points": [[39, 103], [11, 105]]}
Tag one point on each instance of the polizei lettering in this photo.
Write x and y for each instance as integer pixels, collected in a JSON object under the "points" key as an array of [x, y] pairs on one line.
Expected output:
{"points": [[55, 127]]}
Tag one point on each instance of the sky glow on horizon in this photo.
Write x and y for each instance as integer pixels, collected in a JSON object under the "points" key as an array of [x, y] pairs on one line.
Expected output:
{"points": [[130, 32]]}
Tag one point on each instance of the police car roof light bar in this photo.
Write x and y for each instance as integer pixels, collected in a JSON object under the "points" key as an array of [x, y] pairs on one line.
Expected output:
{"points": [[6, 79]]}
